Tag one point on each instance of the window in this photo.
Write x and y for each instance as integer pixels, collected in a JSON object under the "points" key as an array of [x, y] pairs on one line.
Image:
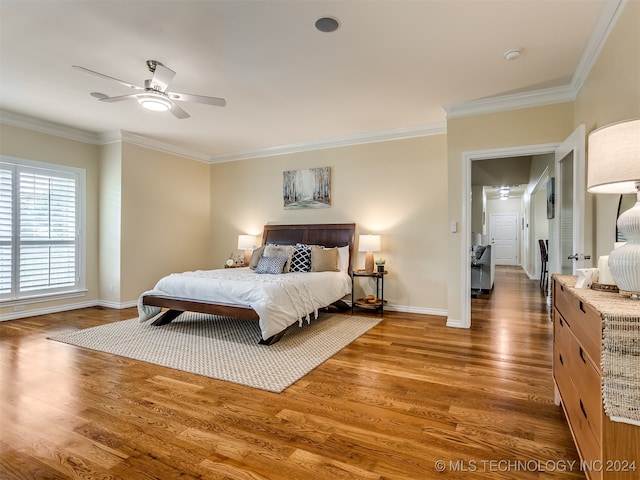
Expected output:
{"points": [[41, 229]]}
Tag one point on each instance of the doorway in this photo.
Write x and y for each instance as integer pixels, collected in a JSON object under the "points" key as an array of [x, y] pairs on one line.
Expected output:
{"points": [[468, 158], [574, 143]]}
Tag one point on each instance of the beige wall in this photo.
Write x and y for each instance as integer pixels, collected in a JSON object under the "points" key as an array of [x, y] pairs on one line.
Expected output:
{"points": [[530, 126], [110, 223], [393, 188], [30, 145], [611, 94], [165, 218]]}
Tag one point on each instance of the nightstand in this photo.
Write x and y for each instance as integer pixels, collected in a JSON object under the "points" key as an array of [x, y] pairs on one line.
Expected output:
{"points": [[361, 302]]}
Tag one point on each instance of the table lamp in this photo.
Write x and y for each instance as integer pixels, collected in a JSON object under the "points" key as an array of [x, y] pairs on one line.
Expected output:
{"points": [[614, 167], [369, 243], [246, 243]]}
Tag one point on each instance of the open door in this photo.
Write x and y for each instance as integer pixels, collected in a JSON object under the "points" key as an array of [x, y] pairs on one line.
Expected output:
{"points": [[569, 248]]}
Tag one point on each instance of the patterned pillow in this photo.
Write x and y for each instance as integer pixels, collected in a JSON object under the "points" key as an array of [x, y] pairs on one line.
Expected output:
{"points": [[280, 250], [271, 265], [301, 260]]}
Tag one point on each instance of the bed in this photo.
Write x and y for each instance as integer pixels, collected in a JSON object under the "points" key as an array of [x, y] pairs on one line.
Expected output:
{"points": [[241, 293]]}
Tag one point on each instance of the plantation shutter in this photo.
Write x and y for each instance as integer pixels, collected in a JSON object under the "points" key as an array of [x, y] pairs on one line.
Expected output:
{"points": [[6, 253], [39, 243], [47, 231]]}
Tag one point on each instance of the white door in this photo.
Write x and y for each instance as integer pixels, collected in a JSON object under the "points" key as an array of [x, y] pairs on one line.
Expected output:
{"points": [[504, 238], [568, 250]]}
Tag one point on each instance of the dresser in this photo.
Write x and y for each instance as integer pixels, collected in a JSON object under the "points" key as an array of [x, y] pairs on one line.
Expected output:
{"points": [[608, 449]]}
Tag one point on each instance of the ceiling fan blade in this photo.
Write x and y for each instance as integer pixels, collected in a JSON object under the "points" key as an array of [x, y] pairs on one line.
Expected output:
{"points": [[126, 84], [119, 98], [188, 97], [178, 112], [161, 77]]}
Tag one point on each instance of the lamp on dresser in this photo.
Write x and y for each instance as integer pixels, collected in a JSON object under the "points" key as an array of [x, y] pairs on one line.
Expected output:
{"points": [[246, 243], [368, 243], [614, 167]]}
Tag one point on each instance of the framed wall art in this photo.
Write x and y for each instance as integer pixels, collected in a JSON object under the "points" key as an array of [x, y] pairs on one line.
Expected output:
{"points": [[551, 197], [310, 188]]}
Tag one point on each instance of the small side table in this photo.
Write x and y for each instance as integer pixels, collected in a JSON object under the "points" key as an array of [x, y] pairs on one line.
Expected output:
{"points": [[380, 301]]}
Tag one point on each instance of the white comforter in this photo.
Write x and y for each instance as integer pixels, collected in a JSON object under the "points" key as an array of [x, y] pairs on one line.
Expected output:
{"points": [[279, 300]]}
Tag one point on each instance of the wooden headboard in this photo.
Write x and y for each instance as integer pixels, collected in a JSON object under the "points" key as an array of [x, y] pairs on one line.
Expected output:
{"points": [[325, 234]]}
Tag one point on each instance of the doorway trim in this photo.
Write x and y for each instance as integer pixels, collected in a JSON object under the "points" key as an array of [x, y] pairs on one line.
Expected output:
{"points": [[541, 182], [465, 221]]}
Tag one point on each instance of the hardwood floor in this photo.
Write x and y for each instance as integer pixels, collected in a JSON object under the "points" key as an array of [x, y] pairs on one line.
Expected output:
{"points": [[407, 395]]}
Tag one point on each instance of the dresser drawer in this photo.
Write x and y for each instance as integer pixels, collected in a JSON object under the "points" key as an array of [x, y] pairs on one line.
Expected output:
{"points": [[562, 342], [588, 444], [584, 320], [562, 299], [587, 383], [587, 327]]}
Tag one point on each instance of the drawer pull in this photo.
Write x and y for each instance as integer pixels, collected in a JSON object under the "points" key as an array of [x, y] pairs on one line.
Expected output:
{"points": [[562, 287], [584, 412], [560, 358], [582, 355], [582, 307], [561, 324]]}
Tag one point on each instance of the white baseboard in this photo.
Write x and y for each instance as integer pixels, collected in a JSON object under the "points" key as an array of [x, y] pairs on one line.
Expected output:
{"points": [[451, 322], [47, 310], [407, 309], [133, 303], [67, 307], [420, 310], [117, 306]]}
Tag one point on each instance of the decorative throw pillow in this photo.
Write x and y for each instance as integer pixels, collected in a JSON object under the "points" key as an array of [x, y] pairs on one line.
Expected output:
{"points": [[271, 265], [343, 259], [255, 257], [478, 250], [280, 250], [324, 259], [301, 260]]}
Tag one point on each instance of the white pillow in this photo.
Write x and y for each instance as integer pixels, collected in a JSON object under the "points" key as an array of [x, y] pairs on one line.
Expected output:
{"points": [[343, 259]]}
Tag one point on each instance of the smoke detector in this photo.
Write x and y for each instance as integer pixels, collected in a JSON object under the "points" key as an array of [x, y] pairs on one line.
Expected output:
{"points": [[512, 54]]}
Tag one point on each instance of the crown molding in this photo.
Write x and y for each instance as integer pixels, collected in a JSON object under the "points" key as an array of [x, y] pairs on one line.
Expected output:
{"points": [[116, 136], [342, 141], [536, 98], [548, 96], [610, 13], [50, 128]]}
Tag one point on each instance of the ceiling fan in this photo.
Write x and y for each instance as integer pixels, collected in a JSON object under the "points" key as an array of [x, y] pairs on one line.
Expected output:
{"points": [[154, 95]]}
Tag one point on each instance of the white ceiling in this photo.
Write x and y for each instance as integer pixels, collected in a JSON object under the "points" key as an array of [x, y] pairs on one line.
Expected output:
{"points": [[388, 70]]}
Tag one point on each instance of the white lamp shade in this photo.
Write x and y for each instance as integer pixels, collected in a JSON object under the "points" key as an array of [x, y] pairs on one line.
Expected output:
{"points": [[369, 243], [614, 158], [246, 242]]}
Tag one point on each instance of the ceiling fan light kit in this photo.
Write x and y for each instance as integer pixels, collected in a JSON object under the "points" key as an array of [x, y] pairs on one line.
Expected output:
{"points": [[154, 102], [154, 95]]}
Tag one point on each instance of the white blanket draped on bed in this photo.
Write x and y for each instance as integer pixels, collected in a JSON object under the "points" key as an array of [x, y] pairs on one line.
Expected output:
{"points": [[279, 300]]}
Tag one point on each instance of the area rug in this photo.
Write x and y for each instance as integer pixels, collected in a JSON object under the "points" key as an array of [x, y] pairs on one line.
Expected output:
{"points": [[226, 348]]}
